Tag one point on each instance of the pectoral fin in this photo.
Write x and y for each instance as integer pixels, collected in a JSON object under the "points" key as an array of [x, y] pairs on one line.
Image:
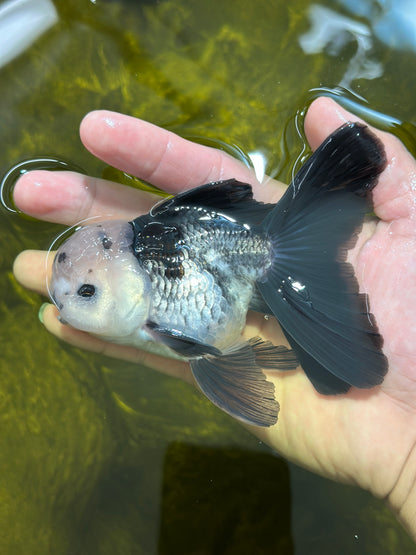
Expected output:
{"points": [[182, 344]]}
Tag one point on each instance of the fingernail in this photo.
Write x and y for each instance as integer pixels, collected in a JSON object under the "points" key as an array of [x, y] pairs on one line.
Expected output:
{"points": [[41, 311]]}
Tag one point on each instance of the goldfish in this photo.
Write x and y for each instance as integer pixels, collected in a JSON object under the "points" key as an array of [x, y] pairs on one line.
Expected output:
{"points": [[180, 280]]}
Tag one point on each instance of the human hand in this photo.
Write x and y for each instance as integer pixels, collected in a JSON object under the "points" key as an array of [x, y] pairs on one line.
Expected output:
{"points": [[364, 437]]}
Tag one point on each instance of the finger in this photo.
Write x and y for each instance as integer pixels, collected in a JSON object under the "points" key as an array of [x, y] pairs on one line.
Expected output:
{"points": [[32, 268], [395, 196], [171, 367], [163, 158], [155, 154], [68, 197]]}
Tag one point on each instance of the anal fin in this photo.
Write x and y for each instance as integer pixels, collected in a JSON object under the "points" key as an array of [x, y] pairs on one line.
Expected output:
{"points": [[273, 357], [236, 384]]}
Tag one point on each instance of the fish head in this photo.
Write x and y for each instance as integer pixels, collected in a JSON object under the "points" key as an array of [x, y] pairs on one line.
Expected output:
{"points": [[97, 282]]}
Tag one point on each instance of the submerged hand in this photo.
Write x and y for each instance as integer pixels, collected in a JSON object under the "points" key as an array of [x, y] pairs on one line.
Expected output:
{"points": [[366, 437]]}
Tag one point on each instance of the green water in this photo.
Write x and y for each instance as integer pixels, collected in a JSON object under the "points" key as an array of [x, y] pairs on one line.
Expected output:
{"points": [[102, 457]]}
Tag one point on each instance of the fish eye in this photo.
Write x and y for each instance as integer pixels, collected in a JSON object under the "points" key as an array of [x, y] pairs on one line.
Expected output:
{"points": [[86, 290], [107, 243]]}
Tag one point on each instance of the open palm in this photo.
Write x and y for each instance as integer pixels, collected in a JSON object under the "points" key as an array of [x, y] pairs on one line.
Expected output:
{"points": [[366, 437]]}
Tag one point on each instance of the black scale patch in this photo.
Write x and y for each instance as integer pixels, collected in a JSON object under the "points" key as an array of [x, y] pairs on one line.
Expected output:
{"points": [[164, 245]]}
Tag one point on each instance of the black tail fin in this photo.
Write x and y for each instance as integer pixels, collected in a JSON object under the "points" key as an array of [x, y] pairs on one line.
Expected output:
{"points": [[310, 288]]}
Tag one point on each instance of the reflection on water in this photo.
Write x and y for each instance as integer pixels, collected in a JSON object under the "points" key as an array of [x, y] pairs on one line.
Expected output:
{"points": [[21, 23], [100, 456], [331, 32], [392, 21]]}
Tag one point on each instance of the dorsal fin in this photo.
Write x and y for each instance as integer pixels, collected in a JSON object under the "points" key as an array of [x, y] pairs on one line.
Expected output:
{"points": [[230, 197]]}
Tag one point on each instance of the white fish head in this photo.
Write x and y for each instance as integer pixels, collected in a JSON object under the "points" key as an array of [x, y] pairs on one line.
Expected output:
{"points": [[98, 284]]}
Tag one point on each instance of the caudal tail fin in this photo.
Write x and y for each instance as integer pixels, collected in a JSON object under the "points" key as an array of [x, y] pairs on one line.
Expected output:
{"points": [[310, 288]]}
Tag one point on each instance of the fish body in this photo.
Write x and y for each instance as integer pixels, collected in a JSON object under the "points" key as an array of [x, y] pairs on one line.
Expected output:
{"points": [[184, 276], [203, 268]]}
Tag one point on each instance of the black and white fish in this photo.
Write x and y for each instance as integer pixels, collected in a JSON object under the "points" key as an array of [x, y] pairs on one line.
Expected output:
{"points": [[184, 276]]}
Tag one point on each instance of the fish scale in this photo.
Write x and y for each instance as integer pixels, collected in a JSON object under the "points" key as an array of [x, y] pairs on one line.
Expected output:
{"points": [[220, 259], [201, 307], [226, 241]]}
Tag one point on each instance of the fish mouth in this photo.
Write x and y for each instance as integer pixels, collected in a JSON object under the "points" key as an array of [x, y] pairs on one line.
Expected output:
{"points": [[58, 305]]}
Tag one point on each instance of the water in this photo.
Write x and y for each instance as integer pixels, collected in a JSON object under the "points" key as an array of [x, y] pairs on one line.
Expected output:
{"points": [[99, 456]]}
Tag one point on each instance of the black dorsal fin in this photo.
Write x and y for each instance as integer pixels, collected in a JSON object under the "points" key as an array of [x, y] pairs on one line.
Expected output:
{"points": [[230, 197]]}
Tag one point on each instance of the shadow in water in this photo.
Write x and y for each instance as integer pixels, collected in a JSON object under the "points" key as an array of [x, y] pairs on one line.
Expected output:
{"points": [[191, 500], [224, 501]]}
